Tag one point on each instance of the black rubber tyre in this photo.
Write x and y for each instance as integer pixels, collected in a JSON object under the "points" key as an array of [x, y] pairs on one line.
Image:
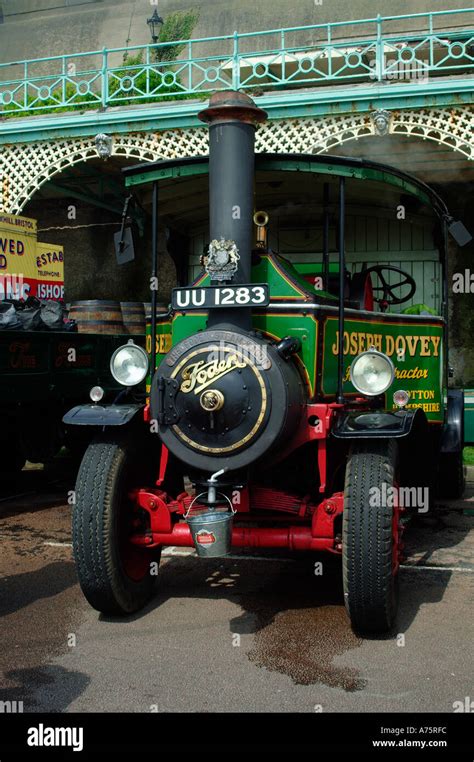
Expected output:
{"points": [[370, 577], [114, 574], [451, 477]]}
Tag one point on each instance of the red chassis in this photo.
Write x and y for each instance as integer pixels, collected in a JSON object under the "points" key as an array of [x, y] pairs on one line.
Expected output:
{"points": [[315, 527], [167, 529]]}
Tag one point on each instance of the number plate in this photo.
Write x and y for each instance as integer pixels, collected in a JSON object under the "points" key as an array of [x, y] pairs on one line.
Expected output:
{"points": [[252, 295]]}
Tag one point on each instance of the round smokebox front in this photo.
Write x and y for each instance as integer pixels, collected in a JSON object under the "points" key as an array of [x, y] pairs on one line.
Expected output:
{"points": [[224, 396]]}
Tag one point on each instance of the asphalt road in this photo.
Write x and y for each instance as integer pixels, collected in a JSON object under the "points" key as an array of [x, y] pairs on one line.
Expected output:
{"points": [[246, 634]]}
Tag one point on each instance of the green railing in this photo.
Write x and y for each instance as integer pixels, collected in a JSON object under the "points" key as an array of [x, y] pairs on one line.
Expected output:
{"points": [[365, 50]]}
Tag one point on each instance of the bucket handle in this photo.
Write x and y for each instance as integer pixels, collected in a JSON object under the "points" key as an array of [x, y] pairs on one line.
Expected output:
{"points": [[205, 493]]}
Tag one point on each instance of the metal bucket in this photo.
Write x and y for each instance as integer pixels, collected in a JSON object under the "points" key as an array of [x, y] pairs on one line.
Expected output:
{"points": [[211, 531]]}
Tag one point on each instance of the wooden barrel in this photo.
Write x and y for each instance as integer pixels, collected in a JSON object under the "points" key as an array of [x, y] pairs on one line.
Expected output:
{"points": [[133, 314], [97, 316]]}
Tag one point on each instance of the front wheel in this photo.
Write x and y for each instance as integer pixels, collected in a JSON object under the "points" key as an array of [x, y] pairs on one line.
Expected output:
{"points": [[370, 536], [116, 576]]}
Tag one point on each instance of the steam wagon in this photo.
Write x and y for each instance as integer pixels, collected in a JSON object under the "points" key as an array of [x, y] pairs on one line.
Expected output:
{"points": [[292, 395]]}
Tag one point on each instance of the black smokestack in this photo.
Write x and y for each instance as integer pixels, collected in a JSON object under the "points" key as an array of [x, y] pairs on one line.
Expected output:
{"points": [[232, 117]]}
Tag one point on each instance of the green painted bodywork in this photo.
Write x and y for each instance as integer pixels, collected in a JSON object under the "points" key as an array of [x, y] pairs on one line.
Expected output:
{"points": [[297, 309], [415, 348], [414, 343], [286, 282], [305, 328], [164, 340]]}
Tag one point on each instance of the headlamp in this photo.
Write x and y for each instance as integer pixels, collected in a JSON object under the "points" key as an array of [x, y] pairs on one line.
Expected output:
{"points": [[129, 364], [372, 373]]}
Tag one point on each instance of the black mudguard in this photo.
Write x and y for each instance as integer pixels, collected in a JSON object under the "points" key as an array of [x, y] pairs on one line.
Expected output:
{"points": [[375, 424], [102, 415], [452, 438]]}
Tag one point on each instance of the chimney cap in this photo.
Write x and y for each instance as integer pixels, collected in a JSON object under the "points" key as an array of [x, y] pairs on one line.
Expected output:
{"points": [[232, 106]]}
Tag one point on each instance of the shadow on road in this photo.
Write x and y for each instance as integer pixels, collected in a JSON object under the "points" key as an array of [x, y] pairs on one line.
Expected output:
{"points": [[50, 688], [21, 590], [297, 617]]}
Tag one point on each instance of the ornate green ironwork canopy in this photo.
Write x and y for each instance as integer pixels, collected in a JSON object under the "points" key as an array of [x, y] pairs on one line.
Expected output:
{"points": [[362, 51]]}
